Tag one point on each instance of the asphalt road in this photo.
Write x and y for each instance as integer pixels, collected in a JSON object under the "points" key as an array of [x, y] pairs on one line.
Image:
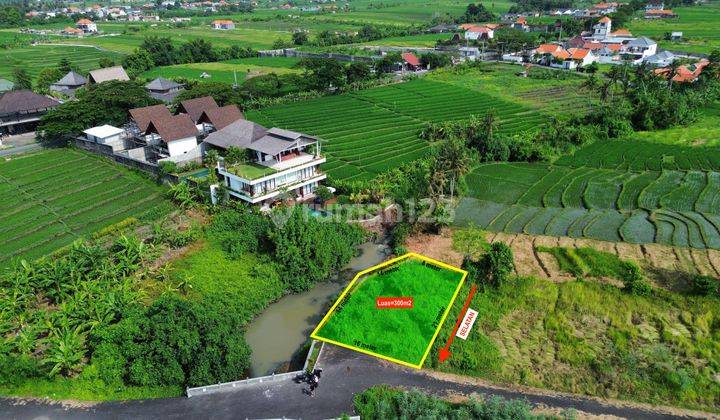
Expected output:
{"points": [[20, 149], [345, 373]]}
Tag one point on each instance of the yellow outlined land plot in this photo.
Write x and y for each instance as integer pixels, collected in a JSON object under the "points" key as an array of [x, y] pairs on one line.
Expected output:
{"points": [[363, 319]]}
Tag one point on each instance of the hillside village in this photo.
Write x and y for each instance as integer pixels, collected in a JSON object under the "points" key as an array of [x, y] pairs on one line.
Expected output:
{"points": [[356, 209]]}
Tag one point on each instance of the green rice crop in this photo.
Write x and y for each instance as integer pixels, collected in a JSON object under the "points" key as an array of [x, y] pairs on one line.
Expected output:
{"points": [[56, 196]]}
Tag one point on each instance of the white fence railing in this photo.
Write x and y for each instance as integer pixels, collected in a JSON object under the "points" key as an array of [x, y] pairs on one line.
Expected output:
{"points": [[229, 386]]}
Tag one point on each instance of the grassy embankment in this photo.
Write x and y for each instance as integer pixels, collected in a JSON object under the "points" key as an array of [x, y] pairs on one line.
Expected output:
{"points": [[591, 338]]}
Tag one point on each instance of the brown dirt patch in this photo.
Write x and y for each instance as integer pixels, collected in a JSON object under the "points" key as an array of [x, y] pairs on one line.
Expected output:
{"points": [[664, 266]]}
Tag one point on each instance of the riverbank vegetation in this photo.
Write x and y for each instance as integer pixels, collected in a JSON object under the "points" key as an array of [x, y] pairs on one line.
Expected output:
{"points": [[147, 310]]}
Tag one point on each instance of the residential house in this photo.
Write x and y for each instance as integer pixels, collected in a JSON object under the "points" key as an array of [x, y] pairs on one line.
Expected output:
{"points": [[545, 52], [582, 57], [163, 89], [619, 37], [107, 74], [177, 135], [609, 54], [602, 28], [143, 116], [87, 26], [107, 135], [73, 31], [655, 5], [575, 42], [521, 24], [687, 73], [410, 62], [195, 107], [641, 48], [469, 53], [223, 24], [606, 8], [21, 110], [214, 119], [478, 33], [282, 161], [661, 59], [69, 83], [659, 14]]}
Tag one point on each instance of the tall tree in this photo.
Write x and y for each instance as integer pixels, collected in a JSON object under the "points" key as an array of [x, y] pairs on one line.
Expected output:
{"points": [[22, 79], [103, 103], [138, 62], [48, 76], [161, 50]]}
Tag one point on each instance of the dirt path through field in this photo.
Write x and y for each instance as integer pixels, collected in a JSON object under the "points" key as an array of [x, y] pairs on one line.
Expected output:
{"points": [[665, 266]]}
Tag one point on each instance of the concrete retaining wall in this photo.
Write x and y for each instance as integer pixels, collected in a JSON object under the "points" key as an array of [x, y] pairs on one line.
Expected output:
{"points": [[229, 386]]}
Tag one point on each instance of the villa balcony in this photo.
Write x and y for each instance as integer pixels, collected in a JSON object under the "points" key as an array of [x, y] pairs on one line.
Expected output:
{"points": [[256, 172]]}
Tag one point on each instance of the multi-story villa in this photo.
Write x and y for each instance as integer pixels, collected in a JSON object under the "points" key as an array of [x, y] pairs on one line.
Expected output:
{"points": [[277, 162]]}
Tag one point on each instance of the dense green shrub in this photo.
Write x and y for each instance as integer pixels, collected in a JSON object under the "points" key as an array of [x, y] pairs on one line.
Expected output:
{"points": [[383, 402], [499, 263], [173, 342], [493, 268], [633, 279], [706, 285], [308, 250], [240, 230]]}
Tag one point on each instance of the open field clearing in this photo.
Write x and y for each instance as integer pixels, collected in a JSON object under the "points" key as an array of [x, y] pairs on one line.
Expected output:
{"points": [[403, 334], [501, 80], [34, 59], [704, 132], [125, 40], [663, 194], [591, 338], [371, 131], [697, 23], [225, 71], [53, 197]]}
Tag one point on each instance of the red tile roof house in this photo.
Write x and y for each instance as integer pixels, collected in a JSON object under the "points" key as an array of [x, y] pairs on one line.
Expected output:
{"points": [[86, 25], [411, 62], [223, 24], [477, 33]]}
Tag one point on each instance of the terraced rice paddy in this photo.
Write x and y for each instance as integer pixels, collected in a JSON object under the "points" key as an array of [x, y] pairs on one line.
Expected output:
{"points": [[34, 59], [371, 131], [630, 191], [54, 197]]}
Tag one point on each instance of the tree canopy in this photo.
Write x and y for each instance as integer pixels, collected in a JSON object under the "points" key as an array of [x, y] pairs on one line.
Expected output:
{"points": [[103, 103]]}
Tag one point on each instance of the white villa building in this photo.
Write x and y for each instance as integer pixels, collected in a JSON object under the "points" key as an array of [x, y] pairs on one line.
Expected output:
{"points": [[602, 29], [278, 161], [107, 135]]}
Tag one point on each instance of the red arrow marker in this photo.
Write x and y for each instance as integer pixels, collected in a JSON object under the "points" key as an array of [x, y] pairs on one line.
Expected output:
{"points": [[445, 351]]}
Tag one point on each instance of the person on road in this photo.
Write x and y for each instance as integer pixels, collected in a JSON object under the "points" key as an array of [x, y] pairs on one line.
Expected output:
{"points": [[313, 384]]}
